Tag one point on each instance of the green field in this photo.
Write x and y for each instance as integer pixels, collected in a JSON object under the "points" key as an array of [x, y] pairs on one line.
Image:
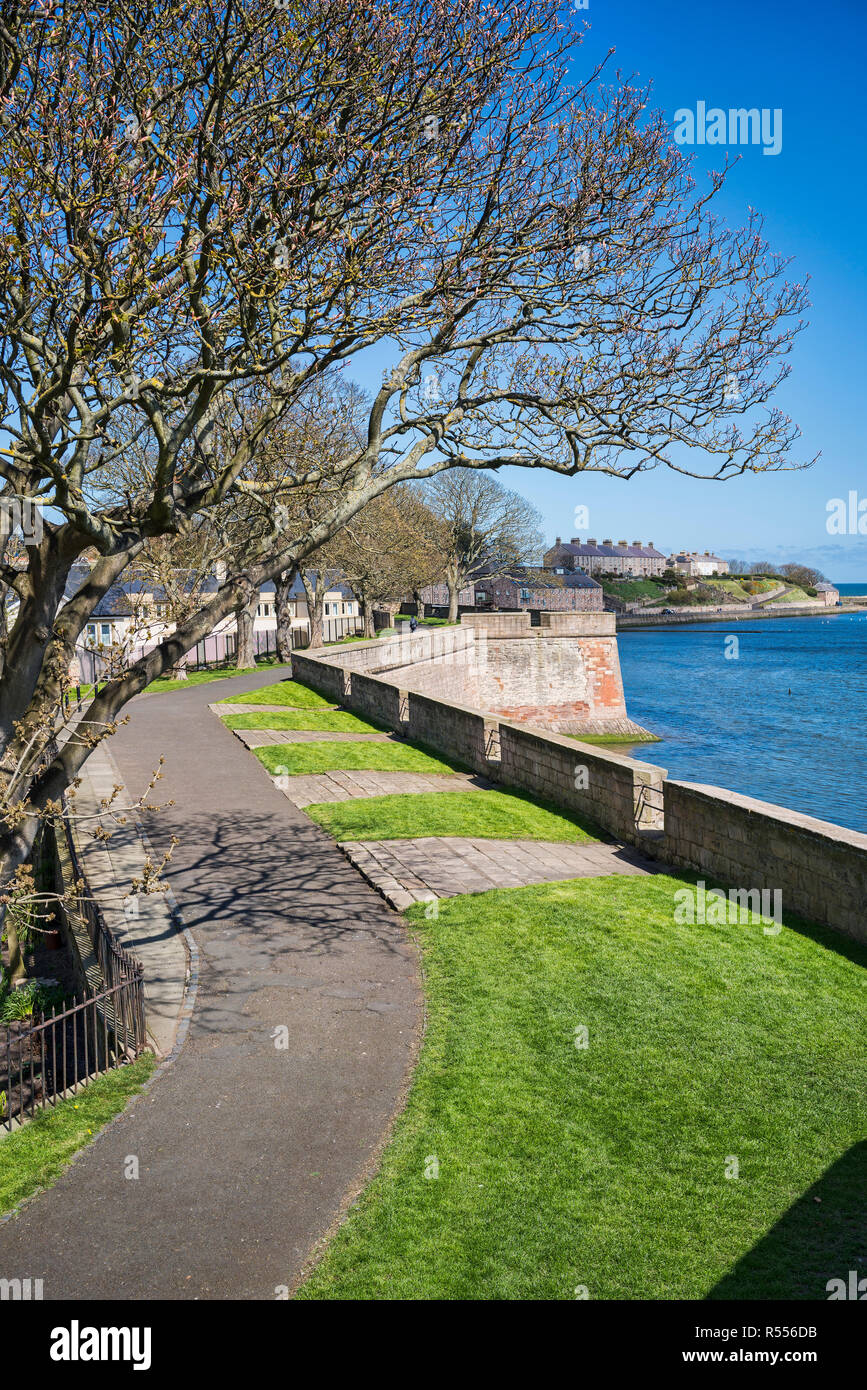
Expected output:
{"points": [[495, 815], [703, 1139]]}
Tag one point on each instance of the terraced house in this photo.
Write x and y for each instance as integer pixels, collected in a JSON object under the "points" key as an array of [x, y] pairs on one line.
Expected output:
{"points": [[635, 561]]}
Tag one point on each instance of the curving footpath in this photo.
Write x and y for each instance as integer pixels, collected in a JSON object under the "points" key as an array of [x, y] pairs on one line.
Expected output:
{"points": [[298, 1050]]}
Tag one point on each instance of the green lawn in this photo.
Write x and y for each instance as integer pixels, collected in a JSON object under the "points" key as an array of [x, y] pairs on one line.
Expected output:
{"points": [[732, 589], [493, 815], [35, 1155], [605, 1167], [630, 590], [296, 759], [286, 692], [159, 687], [336, 721], [792, 596]]}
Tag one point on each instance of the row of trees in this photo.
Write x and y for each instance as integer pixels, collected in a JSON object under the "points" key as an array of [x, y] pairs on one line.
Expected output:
{"points": [[794, 573], [210, 211]]}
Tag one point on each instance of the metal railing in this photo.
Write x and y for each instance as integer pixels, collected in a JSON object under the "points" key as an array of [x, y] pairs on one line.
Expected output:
{"points": [[54, 1054]]}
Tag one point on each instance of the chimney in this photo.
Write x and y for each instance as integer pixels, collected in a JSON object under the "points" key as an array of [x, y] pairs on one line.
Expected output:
{"points": [[608, 541], [591, 540], [557, 540], [621, 542], [638, 543], [650, 545]]}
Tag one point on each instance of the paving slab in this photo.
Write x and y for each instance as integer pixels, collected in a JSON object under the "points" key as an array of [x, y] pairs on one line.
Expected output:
{"points": [[312, 788], [445, 866], [263, 738]]}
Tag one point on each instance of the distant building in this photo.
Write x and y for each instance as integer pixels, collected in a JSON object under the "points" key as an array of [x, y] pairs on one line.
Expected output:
{"points": [[697, 563], [437, 596], [635, 561], [828, 594], [524, 588], [135, 611]]}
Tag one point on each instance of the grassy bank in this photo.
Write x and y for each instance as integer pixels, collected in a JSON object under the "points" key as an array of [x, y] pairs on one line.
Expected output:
{"points": [[526, 1167], [35, 1155], [297, 759], [286, 692], [222, 673], [493, 815]]}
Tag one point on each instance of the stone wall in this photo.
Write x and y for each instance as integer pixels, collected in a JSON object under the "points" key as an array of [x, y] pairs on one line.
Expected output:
{"points": [[820, 869]]}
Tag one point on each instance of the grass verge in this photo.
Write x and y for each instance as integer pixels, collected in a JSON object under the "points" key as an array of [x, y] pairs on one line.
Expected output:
{"points": [[491, 815], [35, 1155], [297, 759], [613, 740], [332, 721], [605, 1166], [286, 692], [164, 684]]}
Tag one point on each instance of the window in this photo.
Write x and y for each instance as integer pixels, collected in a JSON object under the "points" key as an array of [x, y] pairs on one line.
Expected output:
{"points": [[481, 596], [91, 632], [105, 633], [525, 596]]}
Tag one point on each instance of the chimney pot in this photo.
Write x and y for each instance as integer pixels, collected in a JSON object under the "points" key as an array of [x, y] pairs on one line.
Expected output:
{"points": [[591, 540], [608, 541]]}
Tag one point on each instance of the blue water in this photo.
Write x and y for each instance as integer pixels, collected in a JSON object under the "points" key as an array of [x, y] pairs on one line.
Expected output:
{"points": [[786, 721]]}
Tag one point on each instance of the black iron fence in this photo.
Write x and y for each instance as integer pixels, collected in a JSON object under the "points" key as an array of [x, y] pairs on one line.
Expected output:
{"points": [[53, 1054]]}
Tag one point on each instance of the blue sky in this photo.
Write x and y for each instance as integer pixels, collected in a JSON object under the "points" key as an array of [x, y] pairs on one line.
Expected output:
{"points": [[808, 60]]}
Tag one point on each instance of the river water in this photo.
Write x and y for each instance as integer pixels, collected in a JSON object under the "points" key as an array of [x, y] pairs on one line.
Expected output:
{"points": [[781, 715]]}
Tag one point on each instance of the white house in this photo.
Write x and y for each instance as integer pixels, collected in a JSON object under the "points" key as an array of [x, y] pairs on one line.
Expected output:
{"points": [[697, 563]]}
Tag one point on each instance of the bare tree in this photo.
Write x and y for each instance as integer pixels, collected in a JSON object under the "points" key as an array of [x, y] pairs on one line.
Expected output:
{"points": [[803, 575], [485, 527], [392, 547], [206, 208]]}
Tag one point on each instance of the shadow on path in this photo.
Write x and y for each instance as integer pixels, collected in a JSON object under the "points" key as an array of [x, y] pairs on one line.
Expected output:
{"points": [[298, 1051]]}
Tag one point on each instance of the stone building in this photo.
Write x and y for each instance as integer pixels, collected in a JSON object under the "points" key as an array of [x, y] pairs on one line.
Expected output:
{"points": [[635, 561], [525, 590], [828, 594], [697, 563]]}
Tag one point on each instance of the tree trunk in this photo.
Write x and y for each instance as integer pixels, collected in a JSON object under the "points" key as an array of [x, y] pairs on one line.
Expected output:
{"points": [[16, 960], [366, 606], [315, 607], [282, 588], [453, 600], [244, 618]]}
